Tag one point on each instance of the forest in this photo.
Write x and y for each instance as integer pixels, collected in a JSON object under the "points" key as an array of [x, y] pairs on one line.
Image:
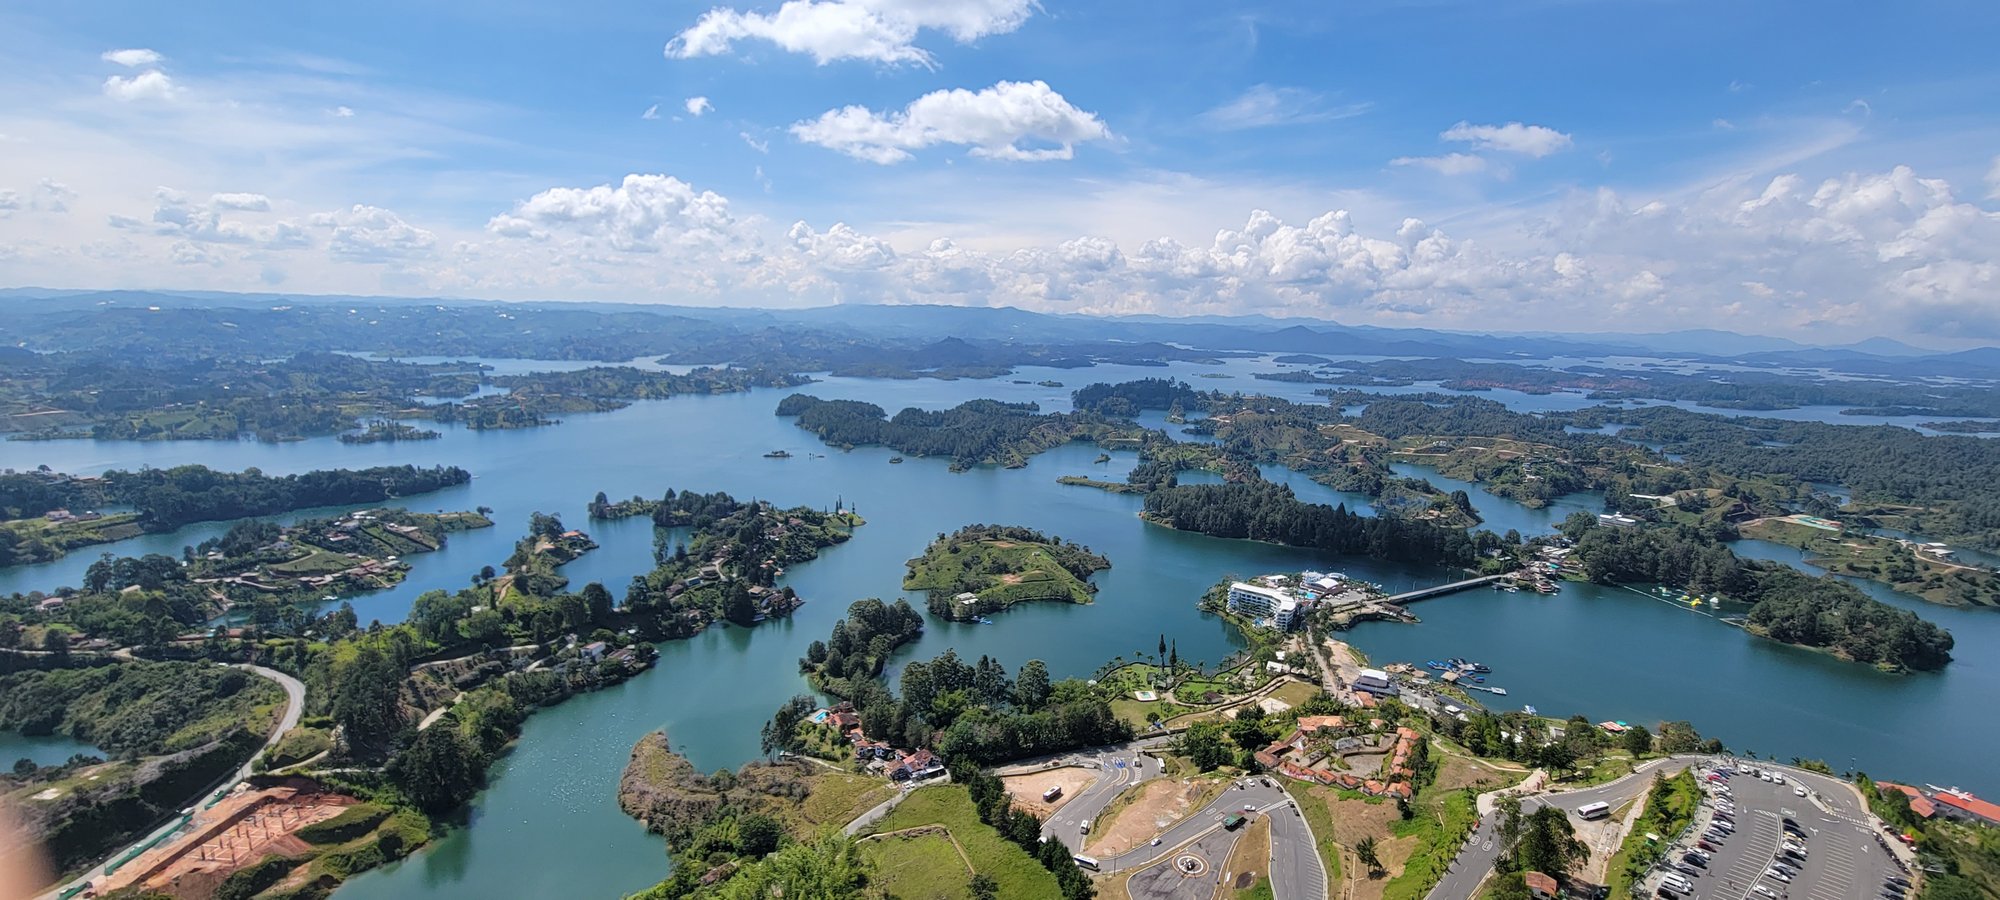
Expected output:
{"points": [[1785, 605], [1264, 511], [859, 645], [728, 566], [1956, 476], [976, 432]]}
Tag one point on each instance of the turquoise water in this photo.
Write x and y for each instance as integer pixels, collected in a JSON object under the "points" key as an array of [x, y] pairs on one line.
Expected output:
{"points": [[549, 823], [44, 749]]}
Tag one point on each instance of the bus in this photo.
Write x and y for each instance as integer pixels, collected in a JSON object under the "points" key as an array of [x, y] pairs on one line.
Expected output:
{"points": [[1086, 862], [1051, 794], [1594, 810], [1233, 822]]}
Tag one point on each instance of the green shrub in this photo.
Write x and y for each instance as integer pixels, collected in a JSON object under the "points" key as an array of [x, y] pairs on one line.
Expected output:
{"points": [[351, 823]]}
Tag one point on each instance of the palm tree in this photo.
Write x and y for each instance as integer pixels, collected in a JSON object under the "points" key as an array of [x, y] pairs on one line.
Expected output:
{"points": [[1364, 851]]}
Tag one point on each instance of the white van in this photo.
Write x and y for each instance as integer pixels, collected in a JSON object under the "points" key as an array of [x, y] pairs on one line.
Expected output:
{"points": [[1085, 827]]}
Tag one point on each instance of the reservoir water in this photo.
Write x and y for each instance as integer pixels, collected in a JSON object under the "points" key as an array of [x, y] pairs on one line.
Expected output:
{"points": [[549, 823], [43, 749]]}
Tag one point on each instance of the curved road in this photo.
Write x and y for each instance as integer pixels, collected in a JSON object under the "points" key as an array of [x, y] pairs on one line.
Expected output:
{"points": [[1482, 849], [295, 703], [1296, 870]]}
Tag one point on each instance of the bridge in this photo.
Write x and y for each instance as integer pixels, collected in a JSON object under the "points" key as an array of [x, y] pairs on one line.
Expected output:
{"points": [[1442, 589]]}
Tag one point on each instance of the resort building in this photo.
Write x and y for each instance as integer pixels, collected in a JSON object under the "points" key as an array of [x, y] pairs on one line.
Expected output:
{"points": [[1274, 605]]}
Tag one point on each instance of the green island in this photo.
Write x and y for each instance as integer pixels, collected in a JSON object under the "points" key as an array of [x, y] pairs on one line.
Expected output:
{"points": [[383, 431], [44, 514], [977, 432], [983, 569]]}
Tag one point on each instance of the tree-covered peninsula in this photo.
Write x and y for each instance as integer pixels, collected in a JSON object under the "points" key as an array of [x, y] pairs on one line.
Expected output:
{"points": [[976, 432], [982, 569], [44, 514]]}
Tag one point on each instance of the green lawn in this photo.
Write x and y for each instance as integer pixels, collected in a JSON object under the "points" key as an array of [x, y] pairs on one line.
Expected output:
{"points": [[316, 562], [1001, 572], [1018, 874], [921, 866], [837, 798]]}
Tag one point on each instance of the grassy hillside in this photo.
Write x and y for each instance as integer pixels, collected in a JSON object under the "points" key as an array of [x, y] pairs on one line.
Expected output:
{"points": [[925, 864], [1001, 566]]}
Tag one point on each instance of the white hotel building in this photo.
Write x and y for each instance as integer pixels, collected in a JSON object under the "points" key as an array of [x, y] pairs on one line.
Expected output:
{"points": [[1274, 605]]}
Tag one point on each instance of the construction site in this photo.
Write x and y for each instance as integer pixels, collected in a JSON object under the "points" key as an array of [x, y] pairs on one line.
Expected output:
{"points": [[245, 827]]}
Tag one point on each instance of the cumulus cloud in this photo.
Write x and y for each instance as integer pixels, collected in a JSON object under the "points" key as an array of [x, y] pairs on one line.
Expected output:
{"points": [[242, 202], [370, 234], [1010, 120], [151, 84], [643, 213], [882, 31], [1448, 164], [133, 58], [1264, 106], [697, 105], [1513, 137], [190, 221]]}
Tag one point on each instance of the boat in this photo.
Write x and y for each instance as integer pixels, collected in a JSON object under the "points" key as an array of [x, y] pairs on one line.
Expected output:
{"points": [[1513, 590], [1530, 710], [778, 454], [1480, 667], [1714, 602], [983, 620], [1434, 664], [895, 460]]}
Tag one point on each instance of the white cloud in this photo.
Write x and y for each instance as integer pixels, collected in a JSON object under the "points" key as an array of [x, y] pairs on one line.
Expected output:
{"points": [[755, 144], [1723, 125], [192, 222], [882, 31], [697, 105], [651, 113], [133, 58], [1264, 106], [1448, 164], [1858, 105], [342, 112], [241, 202], [1993, 180], [1010, 120], [369, 234], [151, 84], [1513, 137], [644, 213]]}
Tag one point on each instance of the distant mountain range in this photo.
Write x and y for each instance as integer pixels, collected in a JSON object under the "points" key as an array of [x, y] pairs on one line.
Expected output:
{"points": [[33, 310]]}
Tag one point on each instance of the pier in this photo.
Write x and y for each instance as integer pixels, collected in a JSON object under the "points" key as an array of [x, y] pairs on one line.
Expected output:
{"points": [[1442, 589]]}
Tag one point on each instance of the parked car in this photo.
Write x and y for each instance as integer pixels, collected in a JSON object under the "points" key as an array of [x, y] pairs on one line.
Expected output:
{"points": [[1777, 875]]}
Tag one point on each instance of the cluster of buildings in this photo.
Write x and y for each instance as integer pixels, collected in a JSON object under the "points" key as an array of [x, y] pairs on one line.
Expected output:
{"points": [[1281, 601], [1321, 743], [1931, 802], [878, 756]]}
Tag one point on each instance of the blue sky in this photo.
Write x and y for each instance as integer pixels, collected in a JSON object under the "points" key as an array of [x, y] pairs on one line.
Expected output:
{"points": [[1822, 170]]}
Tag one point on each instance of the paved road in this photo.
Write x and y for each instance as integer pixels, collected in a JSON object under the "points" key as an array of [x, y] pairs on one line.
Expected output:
{"points": [[1117, 770], [1844, 859], [1476, 858], [1193, 872], [295, 701], [1296, 869]]}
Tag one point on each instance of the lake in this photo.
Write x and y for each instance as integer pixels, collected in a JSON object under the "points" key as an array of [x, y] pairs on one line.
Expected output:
{"points": [[549, 822], [44, 749]]}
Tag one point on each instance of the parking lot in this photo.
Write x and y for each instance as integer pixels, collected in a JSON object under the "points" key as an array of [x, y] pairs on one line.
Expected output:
{"points": [[1843, 859]]}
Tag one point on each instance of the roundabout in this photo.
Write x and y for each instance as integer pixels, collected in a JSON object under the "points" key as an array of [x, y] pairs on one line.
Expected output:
{"points": [[1190, 865]]}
